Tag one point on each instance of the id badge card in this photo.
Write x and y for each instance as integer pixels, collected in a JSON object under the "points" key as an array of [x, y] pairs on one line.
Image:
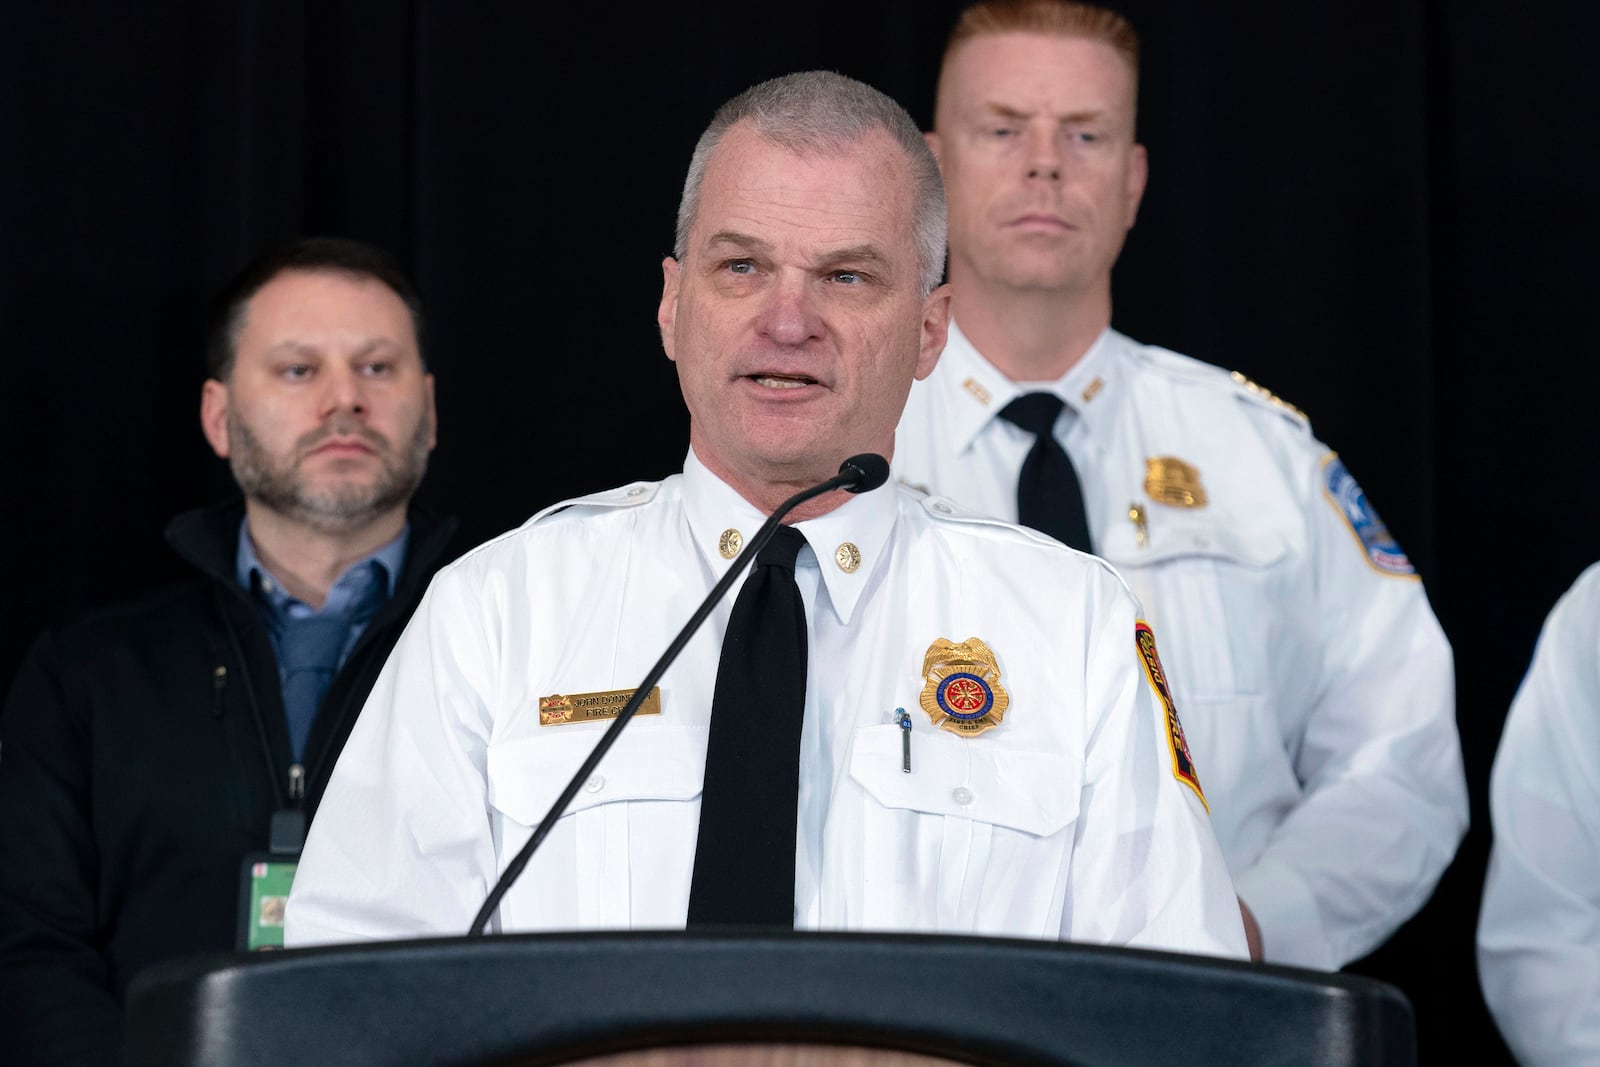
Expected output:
{"points": [[264, 881]]}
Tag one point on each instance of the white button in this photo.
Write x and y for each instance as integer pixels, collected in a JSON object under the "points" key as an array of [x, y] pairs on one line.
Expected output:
{"points": [[595, 783], [962, 795], [636, 490], [941, 507]]}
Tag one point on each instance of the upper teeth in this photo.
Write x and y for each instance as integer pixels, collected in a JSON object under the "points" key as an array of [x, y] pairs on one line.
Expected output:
{"points": [[779, 383]]}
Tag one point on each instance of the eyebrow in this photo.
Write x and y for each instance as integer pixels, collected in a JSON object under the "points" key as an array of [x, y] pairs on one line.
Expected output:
{"points": [[1006, 112], [853, 254], [738, 240], [862, 253], [304, 348]]}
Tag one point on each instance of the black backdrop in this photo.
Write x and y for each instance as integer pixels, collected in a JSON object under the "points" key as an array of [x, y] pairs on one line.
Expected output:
{"points": [[1379, 210]]}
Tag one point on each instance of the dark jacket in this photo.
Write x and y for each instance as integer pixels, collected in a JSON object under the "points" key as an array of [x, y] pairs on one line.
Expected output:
{"points": [[143, 752]]}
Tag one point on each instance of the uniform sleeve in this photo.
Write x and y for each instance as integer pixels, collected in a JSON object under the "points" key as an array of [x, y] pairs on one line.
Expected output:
{"points": [[54, 983], [1539, 928], [1384, 800], [401, 844], [1147, 871]]}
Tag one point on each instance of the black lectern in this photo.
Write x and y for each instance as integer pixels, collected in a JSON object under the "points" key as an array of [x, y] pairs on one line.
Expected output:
{"points": [[541, 999]]}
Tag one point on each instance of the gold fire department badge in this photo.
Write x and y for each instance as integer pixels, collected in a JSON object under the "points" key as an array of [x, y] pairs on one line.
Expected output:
{"points": [[963, 692], [1169, 480]]}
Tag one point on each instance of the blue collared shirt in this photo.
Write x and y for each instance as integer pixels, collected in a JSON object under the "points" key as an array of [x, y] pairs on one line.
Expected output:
{"points": [[351, 595]]}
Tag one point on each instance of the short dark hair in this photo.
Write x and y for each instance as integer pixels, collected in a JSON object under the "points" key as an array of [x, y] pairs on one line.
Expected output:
{"points": [[339, 255], [825, 111]]}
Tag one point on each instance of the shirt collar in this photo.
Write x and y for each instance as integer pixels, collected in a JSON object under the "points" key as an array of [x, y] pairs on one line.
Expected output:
{"points": [[847, 545], [979, 390], [382, 565]]}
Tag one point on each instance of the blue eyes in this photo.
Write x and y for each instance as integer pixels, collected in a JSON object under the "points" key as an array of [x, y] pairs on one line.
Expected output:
{"points": [[1080, 136], [745, 268]]}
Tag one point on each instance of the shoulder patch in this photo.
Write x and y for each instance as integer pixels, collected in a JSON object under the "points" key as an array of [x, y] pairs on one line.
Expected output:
{"points": [[1266, 396], [1144, 640], [1342, 491]]}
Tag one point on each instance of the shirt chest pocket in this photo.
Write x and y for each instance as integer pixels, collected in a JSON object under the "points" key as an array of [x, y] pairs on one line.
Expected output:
{"points": [[1213, 593], [617, 855], [976, 839]]}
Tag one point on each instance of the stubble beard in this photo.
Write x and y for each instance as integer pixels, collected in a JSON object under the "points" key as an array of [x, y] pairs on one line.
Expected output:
{"points": [[342, 506]]}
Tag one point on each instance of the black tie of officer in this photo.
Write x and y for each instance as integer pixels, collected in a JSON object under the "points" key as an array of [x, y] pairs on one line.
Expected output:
{"points": [[744, 860], [1049, 497]]}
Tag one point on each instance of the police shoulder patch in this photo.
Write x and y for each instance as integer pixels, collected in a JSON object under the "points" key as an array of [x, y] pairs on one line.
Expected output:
{"points": [[1182, 762], [1380, 548]]}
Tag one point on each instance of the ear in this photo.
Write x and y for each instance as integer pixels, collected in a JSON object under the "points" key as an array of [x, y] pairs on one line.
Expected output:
{"points": [[433, 413], [667, 313], [214, 415], [935, 330], [1138, 175], [933, 146]]}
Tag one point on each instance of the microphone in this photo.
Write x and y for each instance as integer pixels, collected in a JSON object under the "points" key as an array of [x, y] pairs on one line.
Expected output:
{"points": [[858, 474], [870, 469]]}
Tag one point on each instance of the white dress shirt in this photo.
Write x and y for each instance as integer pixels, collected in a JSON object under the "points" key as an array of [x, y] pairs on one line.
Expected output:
{"points": [[1313, 679], [1066, 820], [1539, 929]]}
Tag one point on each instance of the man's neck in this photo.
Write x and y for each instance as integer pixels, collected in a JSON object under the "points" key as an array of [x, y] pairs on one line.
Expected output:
{"points": [[766, 493], [1030, 335], [307, 560]]}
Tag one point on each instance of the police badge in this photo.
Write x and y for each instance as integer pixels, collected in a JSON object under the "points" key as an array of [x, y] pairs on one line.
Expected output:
{"points": [[963, 692]]}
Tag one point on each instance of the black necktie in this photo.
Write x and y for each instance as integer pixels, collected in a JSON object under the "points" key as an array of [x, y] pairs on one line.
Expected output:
{"points": [[1049, 498], [744, 861]]}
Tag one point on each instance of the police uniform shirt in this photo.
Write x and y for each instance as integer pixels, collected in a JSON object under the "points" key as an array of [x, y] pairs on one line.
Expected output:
{"points": [[1313, 679], [1539, 928], [1067, 819]]}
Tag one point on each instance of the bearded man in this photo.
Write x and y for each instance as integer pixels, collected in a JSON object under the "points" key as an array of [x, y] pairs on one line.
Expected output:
{"points": [[160, 759]]}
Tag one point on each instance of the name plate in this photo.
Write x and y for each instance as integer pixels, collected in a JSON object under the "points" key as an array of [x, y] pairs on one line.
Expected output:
{"points": [[588, 707]]}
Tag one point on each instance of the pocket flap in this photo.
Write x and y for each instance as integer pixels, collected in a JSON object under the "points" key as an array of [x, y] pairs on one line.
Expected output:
{"points": [[650, 761], [1176, 537], [1035, 792]]}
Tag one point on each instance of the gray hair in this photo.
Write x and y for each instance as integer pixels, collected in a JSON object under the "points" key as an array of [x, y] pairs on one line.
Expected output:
{"points": [[822, 111]]}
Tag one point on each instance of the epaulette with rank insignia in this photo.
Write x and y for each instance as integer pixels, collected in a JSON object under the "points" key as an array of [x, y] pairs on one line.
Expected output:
{"points": [[1267, 396]]}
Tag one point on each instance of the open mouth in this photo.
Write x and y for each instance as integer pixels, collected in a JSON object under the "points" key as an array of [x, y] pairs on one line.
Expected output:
{"points": [[782, 381]]}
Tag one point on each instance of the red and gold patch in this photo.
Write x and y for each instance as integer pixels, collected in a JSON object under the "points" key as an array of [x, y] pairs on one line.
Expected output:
{"points": [[1182, 763]]}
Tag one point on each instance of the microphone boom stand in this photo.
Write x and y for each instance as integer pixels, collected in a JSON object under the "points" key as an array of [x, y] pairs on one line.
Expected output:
{"points": [[856, 474]]}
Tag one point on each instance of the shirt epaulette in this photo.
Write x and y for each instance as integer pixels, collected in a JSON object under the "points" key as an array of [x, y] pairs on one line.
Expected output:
{"points": [[946, 510], [623, 496], [1260, 394], [1210, 375]]}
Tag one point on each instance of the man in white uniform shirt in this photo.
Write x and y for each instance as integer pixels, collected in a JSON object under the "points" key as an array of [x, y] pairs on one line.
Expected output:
{"points": [[1314, 680], [1539, 928], [983, 740]]}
